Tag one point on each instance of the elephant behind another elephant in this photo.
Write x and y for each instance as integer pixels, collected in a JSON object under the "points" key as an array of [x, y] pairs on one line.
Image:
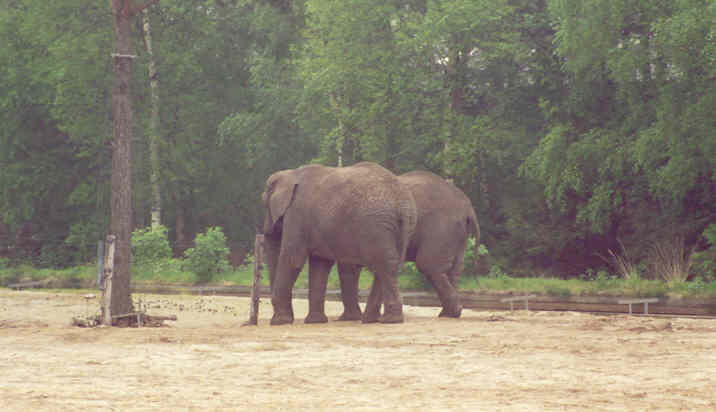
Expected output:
{"points": [[359, 215], [445, 220]]}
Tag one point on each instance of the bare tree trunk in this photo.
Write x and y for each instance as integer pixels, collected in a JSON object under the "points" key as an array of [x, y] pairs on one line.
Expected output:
{"points": [[153, 124], [120, 224], [341, 139]]}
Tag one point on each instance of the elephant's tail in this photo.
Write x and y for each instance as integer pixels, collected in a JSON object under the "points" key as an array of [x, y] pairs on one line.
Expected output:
{"points": [[407, 221], [474, 228]]}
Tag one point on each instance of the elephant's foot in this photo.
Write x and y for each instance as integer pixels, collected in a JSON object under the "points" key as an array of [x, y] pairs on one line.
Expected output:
{"points": [[351, 316], [392, 318], [316, 317], [278, 319], [370, 317], [451, 312], [393, 314]]}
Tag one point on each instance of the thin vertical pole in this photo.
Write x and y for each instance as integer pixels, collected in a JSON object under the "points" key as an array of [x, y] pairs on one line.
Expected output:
{"points": [[108, 275], [256, 287], [100, 264]]}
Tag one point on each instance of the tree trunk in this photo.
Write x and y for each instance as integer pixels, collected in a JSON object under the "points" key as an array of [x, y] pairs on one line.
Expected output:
{"points": [[120, 224], [153, 124], [341, 138]]}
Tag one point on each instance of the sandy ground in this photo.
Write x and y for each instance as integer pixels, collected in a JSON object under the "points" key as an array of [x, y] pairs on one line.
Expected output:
{"points": [[522, 361]]}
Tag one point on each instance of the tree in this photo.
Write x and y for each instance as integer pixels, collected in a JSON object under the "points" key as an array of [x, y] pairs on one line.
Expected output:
{"points": [[121, 218], [155, 167], [357, 65], [628, 152]]}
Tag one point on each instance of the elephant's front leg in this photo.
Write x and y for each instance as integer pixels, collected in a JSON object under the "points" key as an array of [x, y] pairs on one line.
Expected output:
{"points": [[349, 276], [318, 270], [281, 291]]}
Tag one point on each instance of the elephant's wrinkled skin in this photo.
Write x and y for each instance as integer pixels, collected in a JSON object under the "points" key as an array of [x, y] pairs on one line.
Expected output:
{"points": [[445, 220], [360, 215]]}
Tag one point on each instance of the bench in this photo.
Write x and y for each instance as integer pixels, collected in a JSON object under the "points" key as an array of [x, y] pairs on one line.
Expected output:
{"points": [[645, 301], [514, 299]]}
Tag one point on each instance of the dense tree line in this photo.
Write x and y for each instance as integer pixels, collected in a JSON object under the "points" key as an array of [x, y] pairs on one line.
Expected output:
{"points": [[572, 125]]}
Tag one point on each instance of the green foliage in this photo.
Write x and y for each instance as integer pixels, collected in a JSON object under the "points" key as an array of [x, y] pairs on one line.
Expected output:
{"points": [[84, 276], [496, 272], [83, 237], [164, 270], [470, 258], [570, 124], [411, 278], [558, 290], [209, 256], [153, 255], [150, 245], [704, 262]]}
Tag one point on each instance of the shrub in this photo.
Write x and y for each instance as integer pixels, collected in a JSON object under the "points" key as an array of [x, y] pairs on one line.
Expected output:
{"points": [[496, 272], [82, 238], [209, 256], [150, 245], [704, 262], [470, 258], [53, 255]]}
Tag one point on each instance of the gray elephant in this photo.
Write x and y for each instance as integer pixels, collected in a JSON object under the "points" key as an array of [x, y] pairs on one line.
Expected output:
{"points": [[445, 220], [360, 215]]}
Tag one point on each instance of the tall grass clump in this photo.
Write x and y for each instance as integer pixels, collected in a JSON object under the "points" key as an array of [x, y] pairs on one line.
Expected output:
{"points": [[669, 260], [623, 263]]}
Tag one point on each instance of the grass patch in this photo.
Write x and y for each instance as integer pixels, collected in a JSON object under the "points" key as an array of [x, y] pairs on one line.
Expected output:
{"points": [[77, 276], [601, 284]]}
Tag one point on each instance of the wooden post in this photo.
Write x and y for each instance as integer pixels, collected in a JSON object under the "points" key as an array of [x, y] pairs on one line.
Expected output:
{"points": [[100, 264], [256, 287], [108, 274]]}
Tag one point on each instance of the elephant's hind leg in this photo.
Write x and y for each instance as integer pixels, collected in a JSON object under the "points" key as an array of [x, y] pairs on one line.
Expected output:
{"points": [[393, 303], [448, 297], [318, 270], [387, 283], [447, 294], [349, 276], [451, 301], [375, 299]]}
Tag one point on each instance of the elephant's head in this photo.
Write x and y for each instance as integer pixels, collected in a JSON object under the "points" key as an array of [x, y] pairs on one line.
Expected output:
{"points": [[279, 193]]}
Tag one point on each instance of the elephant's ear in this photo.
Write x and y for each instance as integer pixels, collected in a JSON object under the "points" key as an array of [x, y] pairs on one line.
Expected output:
{"points": [[280, 198]]}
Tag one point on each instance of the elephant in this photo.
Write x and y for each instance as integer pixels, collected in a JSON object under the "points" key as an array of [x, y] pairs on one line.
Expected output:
{"points": [[445, 220], [359, 215]]}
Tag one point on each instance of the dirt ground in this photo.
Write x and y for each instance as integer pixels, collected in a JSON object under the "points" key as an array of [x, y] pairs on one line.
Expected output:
{"points": [[522, 361]]}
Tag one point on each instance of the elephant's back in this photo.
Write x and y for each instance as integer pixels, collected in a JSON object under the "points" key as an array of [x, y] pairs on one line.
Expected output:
{"points": [[433, 194], [366, 201]]}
